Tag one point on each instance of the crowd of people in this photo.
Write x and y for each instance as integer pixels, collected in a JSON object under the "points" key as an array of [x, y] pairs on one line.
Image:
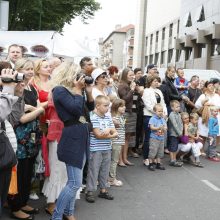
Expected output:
{"points": [[72, 125]]}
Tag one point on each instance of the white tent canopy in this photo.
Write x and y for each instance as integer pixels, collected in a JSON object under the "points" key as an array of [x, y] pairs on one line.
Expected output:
{"points": [[53, 41]]}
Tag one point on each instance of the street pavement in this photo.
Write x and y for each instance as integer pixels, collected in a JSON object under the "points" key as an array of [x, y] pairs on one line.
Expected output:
{"points": [[186, 193]]}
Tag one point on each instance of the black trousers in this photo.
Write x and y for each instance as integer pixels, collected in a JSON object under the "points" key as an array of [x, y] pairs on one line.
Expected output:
{"points": [[24, 175], [139, 129], [5, 178]]}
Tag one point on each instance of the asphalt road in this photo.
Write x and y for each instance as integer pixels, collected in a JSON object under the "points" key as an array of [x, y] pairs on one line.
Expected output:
{"points": [[174, 194]]}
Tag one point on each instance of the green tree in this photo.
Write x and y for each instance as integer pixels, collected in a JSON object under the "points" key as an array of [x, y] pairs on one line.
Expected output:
{"points": [[27, 15]]}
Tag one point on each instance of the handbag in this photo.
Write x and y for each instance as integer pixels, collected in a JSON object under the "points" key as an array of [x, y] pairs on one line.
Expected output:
{"points": [[7, 155], [184, 139], [13, 188]]}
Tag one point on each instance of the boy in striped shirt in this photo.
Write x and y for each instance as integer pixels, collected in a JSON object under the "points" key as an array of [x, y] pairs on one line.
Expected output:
{"points": [[100, 149]]}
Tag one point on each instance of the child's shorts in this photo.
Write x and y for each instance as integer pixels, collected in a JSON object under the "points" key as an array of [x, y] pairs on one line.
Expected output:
{"points": [[173, 143], [156, 148]]}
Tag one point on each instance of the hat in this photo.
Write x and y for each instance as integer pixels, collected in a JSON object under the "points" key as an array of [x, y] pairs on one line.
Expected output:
{"points": [[97, 72], [214, 80], [207, 83], [151, 66]]}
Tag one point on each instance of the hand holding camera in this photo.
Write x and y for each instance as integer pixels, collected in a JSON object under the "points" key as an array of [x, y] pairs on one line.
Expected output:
{"points": [[11, 76]]}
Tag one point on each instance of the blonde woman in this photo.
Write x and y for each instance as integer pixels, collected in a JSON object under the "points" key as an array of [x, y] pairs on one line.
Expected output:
{"points": [[72, 148]]}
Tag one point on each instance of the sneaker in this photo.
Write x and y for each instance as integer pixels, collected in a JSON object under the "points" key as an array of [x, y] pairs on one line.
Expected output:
{"points": [[146, 162], [160, 167], [198, 164], [175, 164], [115, 182], [90, 197], [33, 196], [151, 167], [105, 195]]}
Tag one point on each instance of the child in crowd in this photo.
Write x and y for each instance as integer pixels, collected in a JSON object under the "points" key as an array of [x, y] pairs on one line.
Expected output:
{"points": [[193, 135], [213, 132], [100, 149], [156, 149], [181, 83], [175, 130], [184, 146], [117, 111]]}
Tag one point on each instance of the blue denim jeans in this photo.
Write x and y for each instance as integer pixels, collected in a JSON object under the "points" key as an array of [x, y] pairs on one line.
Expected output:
{"points": [[66, 200]]}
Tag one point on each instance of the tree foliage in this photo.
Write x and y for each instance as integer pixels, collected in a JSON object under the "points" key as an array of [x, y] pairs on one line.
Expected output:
{"points": [[26, 15]]}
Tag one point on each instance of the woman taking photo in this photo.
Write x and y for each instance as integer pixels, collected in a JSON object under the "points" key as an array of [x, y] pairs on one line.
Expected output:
{"points": [[72, 148], [151, 96]]}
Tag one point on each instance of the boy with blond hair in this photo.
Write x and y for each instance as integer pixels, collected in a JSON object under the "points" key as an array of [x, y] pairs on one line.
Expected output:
{"points": [[100, 149]]}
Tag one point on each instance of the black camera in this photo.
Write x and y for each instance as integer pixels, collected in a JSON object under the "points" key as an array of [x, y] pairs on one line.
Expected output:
{"points": [[19, 77], [88, 79]]}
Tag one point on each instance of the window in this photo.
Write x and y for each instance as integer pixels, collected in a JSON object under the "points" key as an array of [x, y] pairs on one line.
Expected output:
{"points": [[170, 55], [151, 39], [163, 33], [200, 14], [151, 59], [178, 27], [146, 60], [156, 58], [215, 48], [162, 59], [200, 50], [188, 20], [171, 30], [188, 53], [157, 36], [146, 42], [178, 53]]}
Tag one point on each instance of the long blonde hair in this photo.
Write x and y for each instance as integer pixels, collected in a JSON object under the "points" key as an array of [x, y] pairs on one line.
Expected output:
{"points": [[64, 75]]}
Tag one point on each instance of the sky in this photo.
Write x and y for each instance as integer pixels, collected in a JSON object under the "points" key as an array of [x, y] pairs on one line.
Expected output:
{"points": [[115, 12]]}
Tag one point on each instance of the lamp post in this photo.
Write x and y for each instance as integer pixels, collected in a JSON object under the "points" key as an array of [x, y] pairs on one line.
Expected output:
{"points": [[4, 12]]}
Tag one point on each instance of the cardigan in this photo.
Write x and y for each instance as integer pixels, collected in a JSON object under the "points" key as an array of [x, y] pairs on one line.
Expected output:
{"points": [[150, 101], [74, 142]]}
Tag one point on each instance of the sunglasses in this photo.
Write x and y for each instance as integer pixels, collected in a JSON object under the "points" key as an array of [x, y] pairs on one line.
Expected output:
{"points": [[103, 76]]}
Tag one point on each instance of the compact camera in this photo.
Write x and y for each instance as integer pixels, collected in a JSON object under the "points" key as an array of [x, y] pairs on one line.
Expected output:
{"points": [[19, 77], [88, 79]]}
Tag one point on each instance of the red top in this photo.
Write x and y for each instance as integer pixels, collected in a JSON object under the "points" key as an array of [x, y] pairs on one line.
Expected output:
{"points": [[55, 124], [43, 97]]}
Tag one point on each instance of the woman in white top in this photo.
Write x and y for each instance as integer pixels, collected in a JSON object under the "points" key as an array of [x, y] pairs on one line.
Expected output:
{"points": [[209, 98], [101, 81], [151, 96]]}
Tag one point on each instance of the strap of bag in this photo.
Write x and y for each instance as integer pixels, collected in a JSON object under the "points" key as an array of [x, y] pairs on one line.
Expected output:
{"points": [[3, 126]]}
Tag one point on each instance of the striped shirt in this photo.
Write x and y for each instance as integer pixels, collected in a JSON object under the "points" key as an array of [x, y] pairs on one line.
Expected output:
{"points": [[120, 140], [102, 123]]}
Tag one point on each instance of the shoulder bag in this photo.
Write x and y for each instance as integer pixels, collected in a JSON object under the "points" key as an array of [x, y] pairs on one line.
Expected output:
{"points": [[7, 155]]}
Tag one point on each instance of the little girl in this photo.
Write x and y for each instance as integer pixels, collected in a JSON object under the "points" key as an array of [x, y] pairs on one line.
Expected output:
{"points": [[181, 83], [194, 138], [184, 147], [117, 111]]}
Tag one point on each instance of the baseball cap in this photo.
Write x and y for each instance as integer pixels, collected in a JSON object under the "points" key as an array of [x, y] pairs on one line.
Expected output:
{"points": [[97, 72], [151, 66]]}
